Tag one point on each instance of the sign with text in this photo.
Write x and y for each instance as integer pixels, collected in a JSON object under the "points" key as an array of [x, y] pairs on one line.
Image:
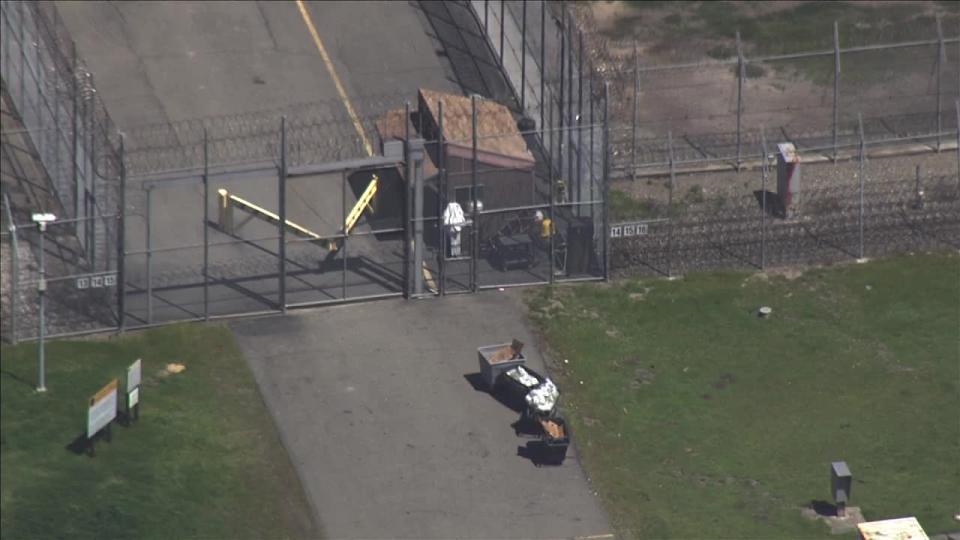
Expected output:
{"points": [[133, 375], [103, 408], [133, 397], [637, 228]]}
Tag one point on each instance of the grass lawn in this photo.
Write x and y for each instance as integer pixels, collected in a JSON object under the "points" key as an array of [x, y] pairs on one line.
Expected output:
{"points": [[697, 419], [204, 460]]}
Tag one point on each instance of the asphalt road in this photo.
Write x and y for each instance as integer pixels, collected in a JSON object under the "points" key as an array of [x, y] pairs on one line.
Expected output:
{"points": [[158, 62], [389, 435]]}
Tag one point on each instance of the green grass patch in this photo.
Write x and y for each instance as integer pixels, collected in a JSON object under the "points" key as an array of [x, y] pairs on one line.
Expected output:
{"points": [[695, 418], [203, 461]]}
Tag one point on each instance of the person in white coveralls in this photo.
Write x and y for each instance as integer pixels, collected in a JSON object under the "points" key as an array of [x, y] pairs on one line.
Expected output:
{"points": [[454, 221]]}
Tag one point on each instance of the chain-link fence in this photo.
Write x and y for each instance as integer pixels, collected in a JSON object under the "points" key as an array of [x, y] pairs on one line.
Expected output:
{"points": [[863, 208], [905, 93], [61, 155]]}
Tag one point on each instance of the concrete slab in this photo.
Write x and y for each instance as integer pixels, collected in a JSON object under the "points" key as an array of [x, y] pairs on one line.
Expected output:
{"points": [[390, 437]]}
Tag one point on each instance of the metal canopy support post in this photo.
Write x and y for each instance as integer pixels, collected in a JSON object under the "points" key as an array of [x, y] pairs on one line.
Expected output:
{"points": [[149, 250], [670, 205], [206, 226], [863, 156], [763, 201], [941, 57], [523, 61], [606, 180], [474, 251], [741, 66], [836, 87], [486, 16], [282, 196]]}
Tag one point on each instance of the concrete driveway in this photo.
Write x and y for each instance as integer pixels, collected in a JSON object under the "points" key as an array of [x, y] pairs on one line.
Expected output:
{"points": [[391, 438]]}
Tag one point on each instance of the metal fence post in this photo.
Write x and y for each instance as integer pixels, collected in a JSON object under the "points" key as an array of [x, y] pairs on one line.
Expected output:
{"points": [[636, 111], [206, 226], [543, 63], [670, 206], [80, 201], [592, 129], [523, 61], [763, 199], [149, 246], [560, 111], [474, 251], [343, 222], [14, 269], [442, 199], [580, 117], [121, 239], [863, 156], [553, 219], [407, 200], [941, 54], [606, 180], [571, 178], [740, 72], [23, 62], [283, 214], [502, 10], [836, 87]]}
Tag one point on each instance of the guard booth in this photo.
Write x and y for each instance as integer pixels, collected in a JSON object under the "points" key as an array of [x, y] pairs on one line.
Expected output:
{"points": [[788, 179]]}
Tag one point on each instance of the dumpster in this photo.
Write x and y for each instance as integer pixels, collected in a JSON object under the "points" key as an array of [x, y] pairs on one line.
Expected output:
{"points": [[555, 438], [514, 384], [498, 359]]}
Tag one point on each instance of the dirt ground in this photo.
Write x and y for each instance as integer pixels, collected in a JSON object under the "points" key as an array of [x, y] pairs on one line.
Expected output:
{"points": [[796, 94]]}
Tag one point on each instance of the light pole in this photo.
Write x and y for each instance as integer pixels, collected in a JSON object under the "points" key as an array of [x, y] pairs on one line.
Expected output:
{"points": [[41, 220]]}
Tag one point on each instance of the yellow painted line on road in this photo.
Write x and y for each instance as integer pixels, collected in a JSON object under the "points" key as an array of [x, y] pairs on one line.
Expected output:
{"points": [[336, 80]]}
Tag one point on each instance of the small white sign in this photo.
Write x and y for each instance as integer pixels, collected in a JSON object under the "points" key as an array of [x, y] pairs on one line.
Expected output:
{"points": [[630, 230], [615, 232], [96, 282], [133, 397], [109, 280], [102, 409], [133, 376], [83, 283]]}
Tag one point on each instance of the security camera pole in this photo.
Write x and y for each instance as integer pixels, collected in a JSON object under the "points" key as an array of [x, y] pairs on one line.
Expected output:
{"points": [[41, 220]]}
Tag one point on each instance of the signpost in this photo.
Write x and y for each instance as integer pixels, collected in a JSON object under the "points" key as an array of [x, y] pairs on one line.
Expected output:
{"points": [[133, 391], [101, 411]]}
